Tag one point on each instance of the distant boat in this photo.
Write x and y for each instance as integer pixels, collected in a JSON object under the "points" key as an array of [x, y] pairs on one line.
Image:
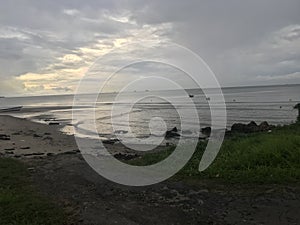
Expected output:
{"points": [[11, 109], [2, 97], [191, 96]]}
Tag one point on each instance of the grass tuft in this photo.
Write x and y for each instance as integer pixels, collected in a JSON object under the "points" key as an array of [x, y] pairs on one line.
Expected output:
{"points": [[20, 204], [253, 158]]}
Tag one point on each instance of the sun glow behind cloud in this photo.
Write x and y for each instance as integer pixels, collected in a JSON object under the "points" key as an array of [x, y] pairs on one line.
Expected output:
{"points": [[66, 72]]}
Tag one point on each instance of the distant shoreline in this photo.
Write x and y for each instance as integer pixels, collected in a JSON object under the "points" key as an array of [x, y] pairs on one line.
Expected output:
{"points": [[188, 89]]}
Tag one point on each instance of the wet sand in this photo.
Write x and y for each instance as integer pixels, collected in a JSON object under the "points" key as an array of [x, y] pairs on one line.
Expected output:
{"points": [[59, 171], [26, 137]]}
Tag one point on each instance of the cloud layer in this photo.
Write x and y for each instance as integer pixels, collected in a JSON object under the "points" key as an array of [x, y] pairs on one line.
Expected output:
{"points": [[47, 46]]}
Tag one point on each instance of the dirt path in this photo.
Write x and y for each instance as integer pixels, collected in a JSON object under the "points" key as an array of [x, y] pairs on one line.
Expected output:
{"points": [[94, 200]]}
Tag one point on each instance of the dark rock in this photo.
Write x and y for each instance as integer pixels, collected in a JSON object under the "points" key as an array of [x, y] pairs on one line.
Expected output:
{"points": [[73, 152], [264, 126], [206, 131], [298, 107], [9, 149], [9, 152], [250, 127], [121, 132], [172, 133], [110, 141], [47, 133], [48, 138], [50, 154], [4, 137], [34, 154], [69, 153], [174, 129], [239, 127], [24, 148], [54, 123], [121, 156], [36, 136]]}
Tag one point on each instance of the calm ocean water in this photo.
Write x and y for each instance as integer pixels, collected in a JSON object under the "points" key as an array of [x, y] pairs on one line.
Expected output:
{"points": [[273, 104]]}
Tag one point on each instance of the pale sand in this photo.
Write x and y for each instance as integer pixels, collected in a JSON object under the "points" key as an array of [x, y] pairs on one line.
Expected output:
{"points": [[27, 137], [30, 139]]}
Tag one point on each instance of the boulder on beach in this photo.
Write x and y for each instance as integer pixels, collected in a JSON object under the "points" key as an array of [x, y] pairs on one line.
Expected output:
{"points": [[206, 131], [250, 127], [298, 107], [172, 133]]}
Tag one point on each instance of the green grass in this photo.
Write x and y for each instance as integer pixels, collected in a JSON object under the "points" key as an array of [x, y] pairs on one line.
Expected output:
{"points": [[253, 158], [20, 204]]}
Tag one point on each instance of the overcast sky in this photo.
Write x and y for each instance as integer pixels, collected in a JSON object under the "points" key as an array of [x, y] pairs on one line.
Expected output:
{"points": [[47, 46]]}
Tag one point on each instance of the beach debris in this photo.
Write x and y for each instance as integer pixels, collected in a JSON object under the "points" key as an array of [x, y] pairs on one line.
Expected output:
{"points": [[172, 133], [4, 137]]}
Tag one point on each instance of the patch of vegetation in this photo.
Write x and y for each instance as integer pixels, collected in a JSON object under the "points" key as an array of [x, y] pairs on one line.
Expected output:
{"points": [[246, 158], [20, 204]]}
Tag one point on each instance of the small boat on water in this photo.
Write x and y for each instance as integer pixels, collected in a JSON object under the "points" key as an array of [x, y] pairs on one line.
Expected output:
{"points": [[191, 96], [11, 109]]}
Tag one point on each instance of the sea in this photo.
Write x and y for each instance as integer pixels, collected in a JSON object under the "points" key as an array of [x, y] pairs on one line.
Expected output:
{"points": [[273, 104]]}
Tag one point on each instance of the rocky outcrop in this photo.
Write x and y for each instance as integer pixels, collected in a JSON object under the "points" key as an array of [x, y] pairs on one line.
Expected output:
{"points": [[206, 131], [298, 107], [172, 133], [251, 127]]}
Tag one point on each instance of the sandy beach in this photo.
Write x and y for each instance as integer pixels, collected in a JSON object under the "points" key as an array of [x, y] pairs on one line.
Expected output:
{"points": [[22, 138], [27, 139], [59, 171]]}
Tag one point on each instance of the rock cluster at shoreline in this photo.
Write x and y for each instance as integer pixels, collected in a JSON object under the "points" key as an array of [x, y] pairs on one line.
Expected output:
{"points": [[251, 127], [23, 138]]}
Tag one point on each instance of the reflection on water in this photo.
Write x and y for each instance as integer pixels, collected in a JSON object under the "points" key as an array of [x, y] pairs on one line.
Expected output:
{"points": [[273, 104]]}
